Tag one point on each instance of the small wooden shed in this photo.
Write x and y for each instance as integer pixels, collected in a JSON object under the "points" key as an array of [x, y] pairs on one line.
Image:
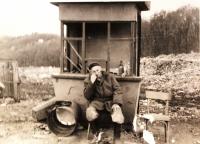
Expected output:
{"points": [[107, 32]]}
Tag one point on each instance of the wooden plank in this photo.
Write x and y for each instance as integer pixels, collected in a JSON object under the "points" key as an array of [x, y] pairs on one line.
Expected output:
{"points": [[135, 47], [40, 112], [109, 46], [83, 76], [73, 38], [142, 5], [73, 48], [98, 12], [83, 49], [121, 39], [66, 48], [132, 49], [72, 63], [3, 78], [62, 46], [139, 44], [96, 59], [15, 81], [9, 79], [158, 95]]}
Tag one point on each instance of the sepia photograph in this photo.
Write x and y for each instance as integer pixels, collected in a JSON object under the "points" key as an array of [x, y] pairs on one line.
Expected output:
{"points": [[100, 72]]}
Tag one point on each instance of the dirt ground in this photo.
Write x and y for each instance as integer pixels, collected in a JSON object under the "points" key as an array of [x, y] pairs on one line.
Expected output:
{"points": [[18, 127]]}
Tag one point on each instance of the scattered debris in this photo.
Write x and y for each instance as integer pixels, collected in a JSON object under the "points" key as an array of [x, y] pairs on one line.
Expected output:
{"points": [[9, 100], [2, 86], [173, 141], [196, 142], [148, 137]]}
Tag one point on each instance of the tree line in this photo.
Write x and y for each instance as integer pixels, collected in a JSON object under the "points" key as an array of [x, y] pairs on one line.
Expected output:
{"points": [[165, 33], [32, 50], [171, 32]]}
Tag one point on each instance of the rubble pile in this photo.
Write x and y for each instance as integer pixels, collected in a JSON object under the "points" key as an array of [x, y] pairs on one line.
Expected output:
{"points": [[37, 74], [179, 74], [36, 82]]}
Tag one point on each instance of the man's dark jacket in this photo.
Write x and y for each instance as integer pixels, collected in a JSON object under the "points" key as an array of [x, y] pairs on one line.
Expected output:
{"points": [[107, 89]]}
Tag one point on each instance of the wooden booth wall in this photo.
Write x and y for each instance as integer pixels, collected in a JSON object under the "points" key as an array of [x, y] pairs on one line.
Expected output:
{"points": [[71, 87], [98, 12]]}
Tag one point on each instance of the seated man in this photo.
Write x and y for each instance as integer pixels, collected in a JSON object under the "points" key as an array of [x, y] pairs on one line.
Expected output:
{"points": [[104, 93]]}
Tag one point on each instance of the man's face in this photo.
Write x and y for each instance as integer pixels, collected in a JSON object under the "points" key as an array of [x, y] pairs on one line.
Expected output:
{"points": [[97, 71]]}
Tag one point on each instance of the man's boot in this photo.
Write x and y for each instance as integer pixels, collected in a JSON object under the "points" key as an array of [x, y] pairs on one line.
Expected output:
{"points": [[95, 132], [117, 133]]}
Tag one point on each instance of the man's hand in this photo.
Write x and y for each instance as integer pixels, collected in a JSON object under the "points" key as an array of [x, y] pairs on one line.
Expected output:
{"points": [[115, 107], [117, 115], [93, 78], [91, 113]]}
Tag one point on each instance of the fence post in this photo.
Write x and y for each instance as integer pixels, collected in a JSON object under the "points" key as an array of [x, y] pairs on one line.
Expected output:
{"points": [[15, 81]]}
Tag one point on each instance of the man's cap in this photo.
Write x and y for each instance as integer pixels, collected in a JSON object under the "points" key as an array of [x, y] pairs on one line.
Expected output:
{"points": [[93, 64]]}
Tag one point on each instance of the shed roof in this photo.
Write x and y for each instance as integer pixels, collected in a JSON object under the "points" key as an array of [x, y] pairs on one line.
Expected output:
{"points": [[142, 5]]}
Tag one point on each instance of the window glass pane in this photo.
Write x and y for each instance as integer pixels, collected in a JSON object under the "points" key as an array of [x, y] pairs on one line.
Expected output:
{"points": [[120, 51], [96, 31], [74, 29], [96, 42], [120, 29]]}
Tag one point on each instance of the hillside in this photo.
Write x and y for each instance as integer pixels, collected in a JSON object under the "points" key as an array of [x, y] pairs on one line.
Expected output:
{"points": [[35, 49]]}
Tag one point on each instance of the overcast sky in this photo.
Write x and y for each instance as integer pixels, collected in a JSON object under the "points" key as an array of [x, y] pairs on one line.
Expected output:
{"points": [[21, 17]]}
